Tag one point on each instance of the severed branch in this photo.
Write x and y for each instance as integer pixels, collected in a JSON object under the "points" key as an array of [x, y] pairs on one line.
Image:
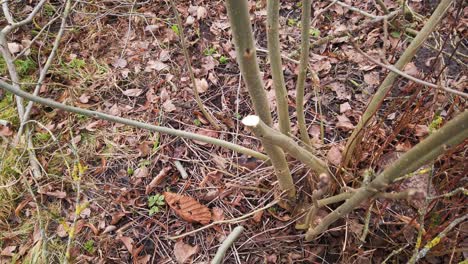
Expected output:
{"points": [[407, 76], [246, 55], [451, 134], [271, 136]]}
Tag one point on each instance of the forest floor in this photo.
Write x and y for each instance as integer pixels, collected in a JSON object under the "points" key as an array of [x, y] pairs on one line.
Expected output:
{"points": [[103, 183]]}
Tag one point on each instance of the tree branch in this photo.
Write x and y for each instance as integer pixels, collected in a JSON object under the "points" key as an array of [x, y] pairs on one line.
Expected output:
{"points": [[271, 136], [452, 134], [274, 55], [202, 108], [246, 55], [302, 71], [133, 123], [407, 76], [45, 69], [387, 84]]}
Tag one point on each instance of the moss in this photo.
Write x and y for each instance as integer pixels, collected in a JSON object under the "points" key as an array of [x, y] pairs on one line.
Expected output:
{"points": [[8, 110]]}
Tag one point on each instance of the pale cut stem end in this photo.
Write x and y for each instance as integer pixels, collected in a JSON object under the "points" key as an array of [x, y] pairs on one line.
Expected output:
{"points": [[251, 121]]}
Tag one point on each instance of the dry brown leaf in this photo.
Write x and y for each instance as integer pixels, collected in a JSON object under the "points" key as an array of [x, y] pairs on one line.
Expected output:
{"points": [[8, 251], [168, 106], [155, 65], [141, 172], [183, 251], [204, 132], [345, 107], [334, 155], [257, 217], [372, 78], [5, 131], [344, 123], [202, 85], [218, 214], [157, 180], [133, 92], [128, 242], [188, 208]]}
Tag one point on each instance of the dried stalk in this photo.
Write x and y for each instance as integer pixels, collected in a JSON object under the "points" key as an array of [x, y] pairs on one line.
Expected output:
{"points": [[116, 119], [183, 43], [387, 84], [274, 54], [271, 136], [302, 71], [452, 134], [239, 17]]}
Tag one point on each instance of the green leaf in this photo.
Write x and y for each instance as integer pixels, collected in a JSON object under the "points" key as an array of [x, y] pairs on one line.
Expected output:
{"points": [[153, 210], [395, 34], [223, 59], [175, 28], [197, 122]]}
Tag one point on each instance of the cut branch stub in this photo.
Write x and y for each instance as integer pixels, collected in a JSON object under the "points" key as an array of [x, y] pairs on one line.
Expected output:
{"points": [[273, 137]]}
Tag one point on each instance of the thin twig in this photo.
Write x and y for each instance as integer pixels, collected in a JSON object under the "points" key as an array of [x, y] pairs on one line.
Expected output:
{"points": [[407, 76], [117, 119], [302, 72], [45, 69], [183, 43], [435, 241]]}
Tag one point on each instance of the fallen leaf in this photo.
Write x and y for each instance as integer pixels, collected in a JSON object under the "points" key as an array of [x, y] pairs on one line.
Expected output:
{"points": [[119, 63], [372, 78], [340, 90], [202, 85], [344, 123], [345, 107], [14, 47], [334, 155], [84, 98], [201, 12], [157, 180], [208, 133], [5, 131], [141, 172], [133, 92], [155, 65], [183, 251], [257, 217], [8, 251], [188, 208], [314, 131], [109, 229], [116, 217], [56, 194], [128, 242], [420, 130], [218, 214], [168, 106]]}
